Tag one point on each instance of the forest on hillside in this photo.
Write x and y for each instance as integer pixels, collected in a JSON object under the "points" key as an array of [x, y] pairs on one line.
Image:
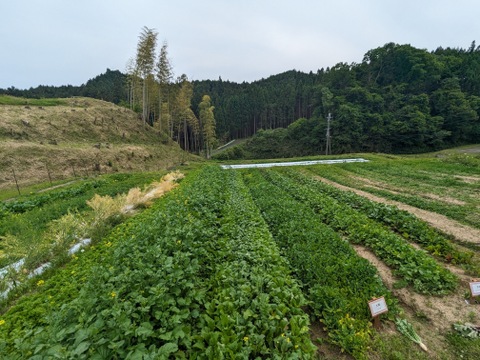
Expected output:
{"points": [[399, 99], [109, 86]]}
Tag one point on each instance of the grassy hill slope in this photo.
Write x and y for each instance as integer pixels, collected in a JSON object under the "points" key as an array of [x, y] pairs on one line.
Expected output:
{"points": [[76, 137]]}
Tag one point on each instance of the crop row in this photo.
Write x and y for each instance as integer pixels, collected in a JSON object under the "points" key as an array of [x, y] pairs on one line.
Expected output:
{"points": [[30, 224], [196, 276], [401, 221], [107, 185], [38, 200], [337, 281], [432, 176], [414, 266]]}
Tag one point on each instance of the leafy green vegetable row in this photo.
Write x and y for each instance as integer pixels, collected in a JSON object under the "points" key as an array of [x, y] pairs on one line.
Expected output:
{"points": [[252, 285], [37, 200], [403, 222], [106, 185], [338, 282], [28, 226], [196, 276], [402, 169], [414, 266]]}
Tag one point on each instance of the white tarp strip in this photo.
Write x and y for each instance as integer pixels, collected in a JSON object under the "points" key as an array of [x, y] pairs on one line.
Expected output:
{"points": [[293, 163], [16, 267]]}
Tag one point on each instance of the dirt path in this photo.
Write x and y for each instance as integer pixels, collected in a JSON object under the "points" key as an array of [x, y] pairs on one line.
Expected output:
{"points": [[432, 316], [459, 231], [57, 186], [228, 145], [441, 312], [427, 312]]}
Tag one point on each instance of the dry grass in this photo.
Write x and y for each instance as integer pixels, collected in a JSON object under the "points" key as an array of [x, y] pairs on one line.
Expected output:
{"points": [[70, 228], [83, 138], [137, 198], [105, 207], [81, 120], [33, 162]]}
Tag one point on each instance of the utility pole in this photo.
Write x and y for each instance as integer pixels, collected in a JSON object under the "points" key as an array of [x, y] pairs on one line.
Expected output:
{"points": [[328, 147]]}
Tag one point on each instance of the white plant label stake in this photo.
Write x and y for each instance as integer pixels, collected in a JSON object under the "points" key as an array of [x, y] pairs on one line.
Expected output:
{"points": [[474, 289], [377, 306]]}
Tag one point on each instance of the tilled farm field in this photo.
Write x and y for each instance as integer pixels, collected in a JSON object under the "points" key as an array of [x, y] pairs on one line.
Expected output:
{"points": [[267, 263]]}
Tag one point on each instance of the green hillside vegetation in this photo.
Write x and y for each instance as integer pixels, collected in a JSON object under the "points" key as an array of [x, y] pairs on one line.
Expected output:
{"points": [[397, 99], [43, 139], [301, 138]]}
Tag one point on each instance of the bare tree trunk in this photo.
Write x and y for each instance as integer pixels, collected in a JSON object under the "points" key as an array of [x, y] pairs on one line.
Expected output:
{"points": [[159, 109], [144, 107], [185, 134]]}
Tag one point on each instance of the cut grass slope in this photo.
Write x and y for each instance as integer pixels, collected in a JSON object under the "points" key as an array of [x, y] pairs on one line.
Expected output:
{"points": [[62, 138]]}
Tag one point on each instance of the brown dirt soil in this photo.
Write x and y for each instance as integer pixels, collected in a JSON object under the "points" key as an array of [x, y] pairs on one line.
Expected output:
{"points": [[378, 185], [324, 349], [438, 313], [459, 231], [432, 316], [468, 179]]}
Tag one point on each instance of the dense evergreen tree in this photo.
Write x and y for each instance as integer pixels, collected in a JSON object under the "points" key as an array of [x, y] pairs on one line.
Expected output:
{"points": [[207, 124], [109, 87], [398, 99]]}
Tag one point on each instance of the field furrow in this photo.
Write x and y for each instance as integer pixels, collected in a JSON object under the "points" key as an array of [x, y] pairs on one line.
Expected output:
{"points": [[338, 283], [196, 276], [402, 222], [414, 266]]}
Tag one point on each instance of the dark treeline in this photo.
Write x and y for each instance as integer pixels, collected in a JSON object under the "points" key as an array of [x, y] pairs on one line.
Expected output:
{"points": [[398, 99], [109, 86]]}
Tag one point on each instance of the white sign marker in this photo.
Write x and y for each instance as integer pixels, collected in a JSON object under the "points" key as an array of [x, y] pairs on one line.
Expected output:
{"points": [[378, 306], [475, 288]]}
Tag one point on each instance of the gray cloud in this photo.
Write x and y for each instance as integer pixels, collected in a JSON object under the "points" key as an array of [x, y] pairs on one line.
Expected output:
{"points": [[58, 42]]}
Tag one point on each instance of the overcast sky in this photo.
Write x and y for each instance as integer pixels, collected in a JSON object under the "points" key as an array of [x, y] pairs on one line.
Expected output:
{"points": [[67, 42]]}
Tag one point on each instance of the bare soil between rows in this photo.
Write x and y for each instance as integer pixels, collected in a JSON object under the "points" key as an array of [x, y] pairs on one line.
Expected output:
{"points": [[458, 231], [432, 316]]}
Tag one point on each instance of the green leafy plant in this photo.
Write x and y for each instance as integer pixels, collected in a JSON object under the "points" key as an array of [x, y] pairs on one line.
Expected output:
{"points": [[468, 330], [336, 280], [29, 218], [407, 330], [402, 222], [414, 266], [197, 274]]}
